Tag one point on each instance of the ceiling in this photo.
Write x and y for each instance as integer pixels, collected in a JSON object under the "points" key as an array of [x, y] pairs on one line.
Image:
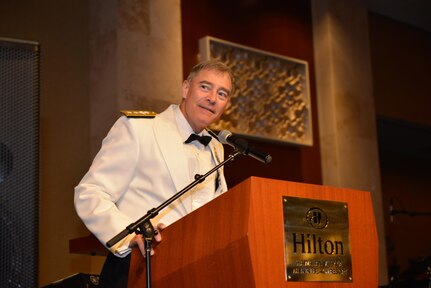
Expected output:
{"points": [[414, 12]]}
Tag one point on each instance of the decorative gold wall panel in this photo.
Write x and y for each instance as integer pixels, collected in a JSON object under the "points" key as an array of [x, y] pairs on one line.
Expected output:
{"points": [[272, 97]]}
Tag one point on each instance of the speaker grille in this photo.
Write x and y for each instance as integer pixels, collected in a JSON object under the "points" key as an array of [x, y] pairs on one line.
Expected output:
{"points": [[19, 163]]}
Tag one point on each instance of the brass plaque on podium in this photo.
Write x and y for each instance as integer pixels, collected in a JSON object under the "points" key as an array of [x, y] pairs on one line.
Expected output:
{"points": [[316, 240]]}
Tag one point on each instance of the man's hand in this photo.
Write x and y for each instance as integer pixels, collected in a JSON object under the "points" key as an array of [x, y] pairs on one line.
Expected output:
{"points": [[138, 240]]}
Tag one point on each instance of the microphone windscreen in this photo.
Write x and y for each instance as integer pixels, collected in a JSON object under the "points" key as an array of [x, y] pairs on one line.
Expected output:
{"points": [[223, 135]]}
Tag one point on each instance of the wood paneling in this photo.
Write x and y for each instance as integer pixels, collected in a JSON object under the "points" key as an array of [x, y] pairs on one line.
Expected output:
{"points": [[282, 27]]}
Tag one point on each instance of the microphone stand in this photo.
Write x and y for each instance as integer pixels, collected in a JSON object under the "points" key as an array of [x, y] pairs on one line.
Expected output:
{"points": [[143, 225]]}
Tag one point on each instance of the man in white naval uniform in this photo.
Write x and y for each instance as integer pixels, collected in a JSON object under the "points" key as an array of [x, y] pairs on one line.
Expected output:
{"points": [[145, 160]]}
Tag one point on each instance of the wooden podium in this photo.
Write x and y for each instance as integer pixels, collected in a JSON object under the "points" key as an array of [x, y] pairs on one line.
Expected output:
{"points": [[237, 240]]}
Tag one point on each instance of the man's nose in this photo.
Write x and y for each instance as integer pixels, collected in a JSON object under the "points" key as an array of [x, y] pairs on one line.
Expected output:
{"points": [[212, 96]]}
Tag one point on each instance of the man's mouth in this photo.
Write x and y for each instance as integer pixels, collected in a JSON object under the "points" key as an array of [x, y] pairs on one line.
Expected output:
{"points": [[208, 109]]}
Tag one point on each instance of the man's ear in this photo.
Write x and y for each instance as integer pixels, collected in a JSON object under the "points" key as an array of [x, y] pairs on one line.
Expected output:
{"points": [[185, 88]]}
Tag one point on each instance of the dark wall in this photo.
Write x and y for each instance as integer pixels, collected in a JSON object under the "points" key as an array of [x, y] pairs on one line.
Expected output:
{"points": [[401, 59], [281, 27]]}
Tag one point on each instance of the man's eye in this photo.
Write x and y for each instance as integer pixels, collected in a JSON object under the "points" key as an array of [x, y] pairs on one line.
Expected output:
{"points": [[222, 95], [205, 87]]}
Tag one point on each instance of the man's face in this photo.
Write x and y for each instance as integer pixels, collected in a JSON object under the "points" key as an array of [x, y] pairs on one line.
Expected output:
{"points": [[205, 98]]}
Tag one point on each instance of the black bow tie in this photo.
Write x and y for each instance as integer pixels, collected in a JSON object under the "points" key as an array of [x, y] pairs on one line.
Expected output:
{"points": [[203, 139]]}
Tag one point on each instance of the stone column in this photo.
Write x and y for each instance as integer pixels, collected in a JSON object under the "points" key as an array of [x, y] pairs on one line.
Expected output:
{"points": [[347, 120], [135, 63], [135, 59]]}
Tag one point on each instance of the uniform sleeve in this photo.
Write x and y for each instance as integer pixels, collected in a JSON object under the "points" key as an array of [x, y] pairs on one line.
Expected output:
{"points": [[105, 182]]}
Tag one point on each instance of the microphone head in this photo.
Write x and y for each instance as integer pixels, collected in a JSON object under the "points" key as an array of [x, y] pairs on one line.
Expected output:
{"points": [[223, 135], [226, 137]]}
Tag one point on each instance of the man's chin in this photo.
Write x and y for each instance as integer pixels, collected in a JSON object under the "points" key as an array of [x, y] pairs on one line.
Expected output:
{"points": [[205, 123]]}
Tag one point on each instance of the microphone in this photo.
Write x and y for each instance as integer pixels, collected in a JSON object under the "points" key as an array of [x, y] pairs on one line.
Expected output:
{"points": [[226, 137]]}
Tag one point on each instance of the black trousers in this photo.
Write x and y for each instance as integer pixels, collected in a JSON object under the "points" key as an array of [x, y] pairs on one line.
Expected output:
{"points": [[115, 272]]}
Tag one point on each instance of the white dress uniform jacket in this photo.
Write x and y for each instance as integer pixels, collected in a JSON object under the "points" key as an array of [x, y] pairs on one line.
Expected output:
{"points": [[140, 165]]}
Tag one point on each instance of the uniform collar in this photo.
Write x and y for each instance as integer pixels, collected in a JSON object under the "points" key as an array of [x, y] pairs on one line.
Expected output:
{"points": [[183, 125]]}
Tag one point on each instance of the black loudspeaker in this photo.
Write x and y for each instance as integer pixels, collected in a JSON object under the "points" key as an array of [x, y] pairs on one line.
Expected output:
{"points": [[79, 280], [19, 163]]}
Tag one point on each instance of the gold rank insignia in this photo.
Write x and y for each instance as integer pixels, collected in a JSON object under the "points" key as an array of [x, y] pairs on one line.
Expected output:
{"points": [[138, 114]]}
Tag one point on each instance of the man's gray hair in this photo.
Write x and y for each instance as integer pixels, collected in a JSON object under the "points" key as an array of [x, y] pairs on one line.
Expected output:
{"points": [[212, 64]]}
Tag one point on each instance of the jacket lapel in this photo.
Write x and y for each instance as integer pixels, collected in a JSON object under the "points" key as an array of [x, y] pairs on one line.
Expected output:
{"points": [[218, 156], [171, 146]]}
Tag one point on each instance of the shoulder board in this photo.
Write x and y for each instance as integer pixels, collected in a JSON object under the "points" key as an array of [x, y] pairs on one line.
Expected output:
{"points": [[138, 114]]}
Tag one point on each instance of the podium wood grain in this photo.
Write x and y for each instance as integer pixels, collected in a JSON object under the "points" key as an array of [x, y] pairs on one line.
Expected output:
{"points": [[237, 240]]}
